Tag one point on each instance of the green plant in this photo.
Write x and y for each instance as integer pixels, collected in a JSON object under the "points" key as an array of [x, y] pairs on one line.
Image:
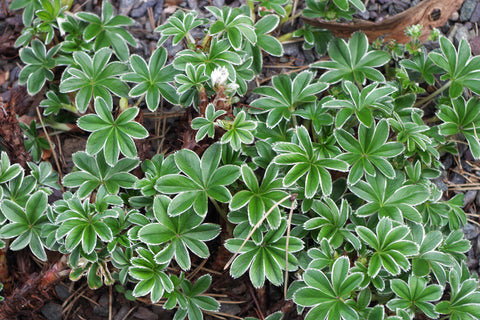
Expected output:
{"points": [[39, 64], [328, 176], [112, 135], [94, 77], [34, 143], [108, 30], [153, 79], [353, 61]]}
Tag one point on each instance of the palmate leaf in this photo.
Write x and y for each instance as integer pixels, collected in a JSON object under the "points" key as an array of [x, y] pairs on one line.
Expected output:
{"points": [[202, 179], [30, 7], [152, 278], [390, 197], [364, 105], [206, 125], [460, 67], [316, 113], [19, 189], [82, 225], [266, 260], [462, 117], [331, 223], [7, 170], [370, 152], [108, 30], [112, 136], [195, 299], [234, 25], [286, 95], [94, 77], [464, 302], [190, 83], [153, 79], [260, 198], [306, 162], [177, 234], [423, 64], [329, 295], [153, 169], [39, 63], [219, 55], [352, 61], [265, 41], [179, 24], [95, 172], [430, 258], [390, 249], [239, 131], [415, 295], [25, 224]]}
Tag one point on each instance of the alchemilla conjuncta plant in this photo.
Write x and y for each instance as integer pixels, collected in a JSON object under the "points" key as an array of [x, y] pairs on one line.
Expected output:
{"points": [[325, 180]]}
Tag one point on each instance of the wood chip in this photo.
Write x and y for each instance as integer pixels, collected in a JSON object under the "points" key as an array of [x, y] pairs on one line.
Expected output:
{"points": [[429, 13]]}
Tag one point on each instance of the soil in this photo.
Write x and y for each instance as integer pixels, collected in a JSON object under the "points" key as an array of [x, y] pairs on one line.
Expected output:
{"points": [[73, 300]]}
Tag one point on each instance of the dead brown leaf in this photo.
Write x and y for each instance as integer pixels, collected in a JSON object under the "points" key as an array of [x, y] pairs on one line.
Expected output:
{"points": [[429, 13]]}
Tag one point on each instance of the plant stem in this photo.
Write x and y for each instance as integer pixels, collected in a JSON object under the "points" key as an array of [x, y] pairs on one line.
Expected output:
{"points": [[259, 223], [223, 214], [287, 243], [434, 94], [139, 100], [285, 37]]}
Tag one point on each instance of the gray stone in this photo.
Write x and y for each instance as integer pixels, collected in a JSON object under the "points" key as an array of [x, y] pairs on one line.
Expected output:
{"points": [[291, 49], [141, 10], [365, 15], [475, 18], [470, 231], [162, 313], [477, 199], [309, 56], [157, 11], [472, 263], [439, 181], [465, 166], [453, 31], [125, 6], [61, 290], [448, 161], [145, 314], [455, 15], [463, 33], [229, 308], [457, 179], [101, 310], [52, 311], [469, 197], [467, 10], [193, 4], [122, 312], [218, 3], [475, 44]]}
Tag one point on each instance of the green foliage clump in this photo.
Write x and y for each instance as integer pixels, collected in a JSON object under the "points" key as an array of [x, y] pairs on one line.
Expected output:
{"points": [[327, 175]]}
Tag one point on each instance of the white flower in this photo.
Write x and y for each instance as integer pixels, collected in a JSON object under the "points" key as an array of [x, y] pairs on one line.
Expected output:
{"points": [[219, 76]]}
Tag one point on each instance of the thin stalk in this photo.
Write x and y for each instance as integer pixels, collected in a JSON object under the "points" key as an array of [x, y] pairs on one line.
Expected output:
{"points": [[139, 100], [259, 223], [285, 37], [223, 214], [289, 226], [50, 143], [434, 94]]}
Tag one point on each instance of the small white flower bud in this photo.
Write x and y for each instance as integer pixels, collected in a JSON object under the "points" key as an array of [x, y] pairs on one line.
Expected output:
{"points": [[219, 76]]}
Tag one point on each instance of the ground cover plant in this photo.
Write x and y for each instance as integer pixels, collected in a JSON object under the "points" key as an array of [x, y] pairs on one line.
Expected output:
{"points": [[322, 184]]}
